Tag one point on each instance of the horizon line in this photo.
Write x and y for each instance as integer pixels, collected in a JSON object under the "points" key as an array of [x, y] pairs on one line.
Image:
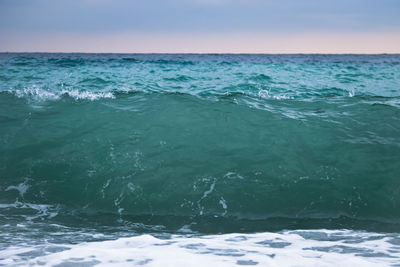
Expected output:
{"points": [[195, 53]]}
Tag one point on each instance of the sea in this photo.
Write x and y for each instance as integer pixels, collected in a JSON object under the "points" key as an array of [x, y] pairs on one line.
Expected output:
{"points": [[199, 160]]}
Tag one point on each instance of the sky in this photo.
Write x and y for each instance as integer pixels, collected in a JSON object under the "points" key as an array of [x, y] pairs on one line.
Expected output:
{"points": [[200, 26]]}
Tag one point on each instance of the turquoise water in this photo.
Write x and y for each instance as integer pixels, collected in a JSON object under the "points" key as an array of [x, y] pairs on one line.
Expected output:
{"points": [[124, 144]]}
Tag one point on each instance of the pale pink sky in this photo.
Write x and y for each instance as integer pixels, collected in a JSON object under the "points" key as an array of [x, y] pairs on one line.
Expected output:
{"points": [[205, 43]]}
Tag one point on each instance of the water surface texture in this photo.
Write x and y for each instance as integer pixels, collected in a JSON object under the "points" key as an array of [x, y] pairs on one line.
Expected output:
{"points": [[185, 152]]}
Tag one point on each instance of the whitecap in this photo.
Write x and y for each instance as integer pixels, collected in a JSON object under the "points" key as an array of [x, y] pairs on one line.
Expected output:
{"points": [[288, 248]]}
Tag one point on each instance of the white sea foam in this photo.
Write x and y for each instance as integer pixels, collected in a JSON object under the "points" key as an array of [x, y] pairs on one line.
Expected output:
{"points": [[21, 188], [233, 175], [35, 93], [39, 94], [266, 94], [38, 210], [289, 248], [222, 201], [87, 95], [205, 194]]}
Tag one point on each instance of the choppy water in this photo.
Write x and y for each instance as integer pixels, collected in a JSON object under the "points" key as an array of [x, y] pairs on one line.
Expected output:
{"points": [[224, 159]]}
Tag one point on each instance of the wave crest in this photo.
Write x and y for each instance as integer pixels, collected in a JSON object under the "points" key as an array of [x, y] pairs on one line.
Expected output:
{"points": [[39, 94]]}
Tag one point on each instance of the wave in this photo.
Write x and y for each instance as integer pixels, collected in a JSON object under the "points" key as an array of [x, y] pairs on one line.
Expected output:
{"points": [[173, 159], [223, 59], [250, 146], [247, 94], [235, 90], [179, 78], [67, 62], [38, 94]]}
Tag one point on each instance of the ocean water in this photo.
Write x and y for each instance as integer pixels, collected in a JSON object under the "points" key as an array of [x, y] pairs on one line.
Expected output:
{"points": [[196, 160]]}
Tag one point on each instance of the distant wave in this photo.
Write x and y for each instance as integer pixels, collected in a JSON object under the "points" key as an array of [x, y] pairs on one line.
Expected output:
{"points": [[38, 94]]}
